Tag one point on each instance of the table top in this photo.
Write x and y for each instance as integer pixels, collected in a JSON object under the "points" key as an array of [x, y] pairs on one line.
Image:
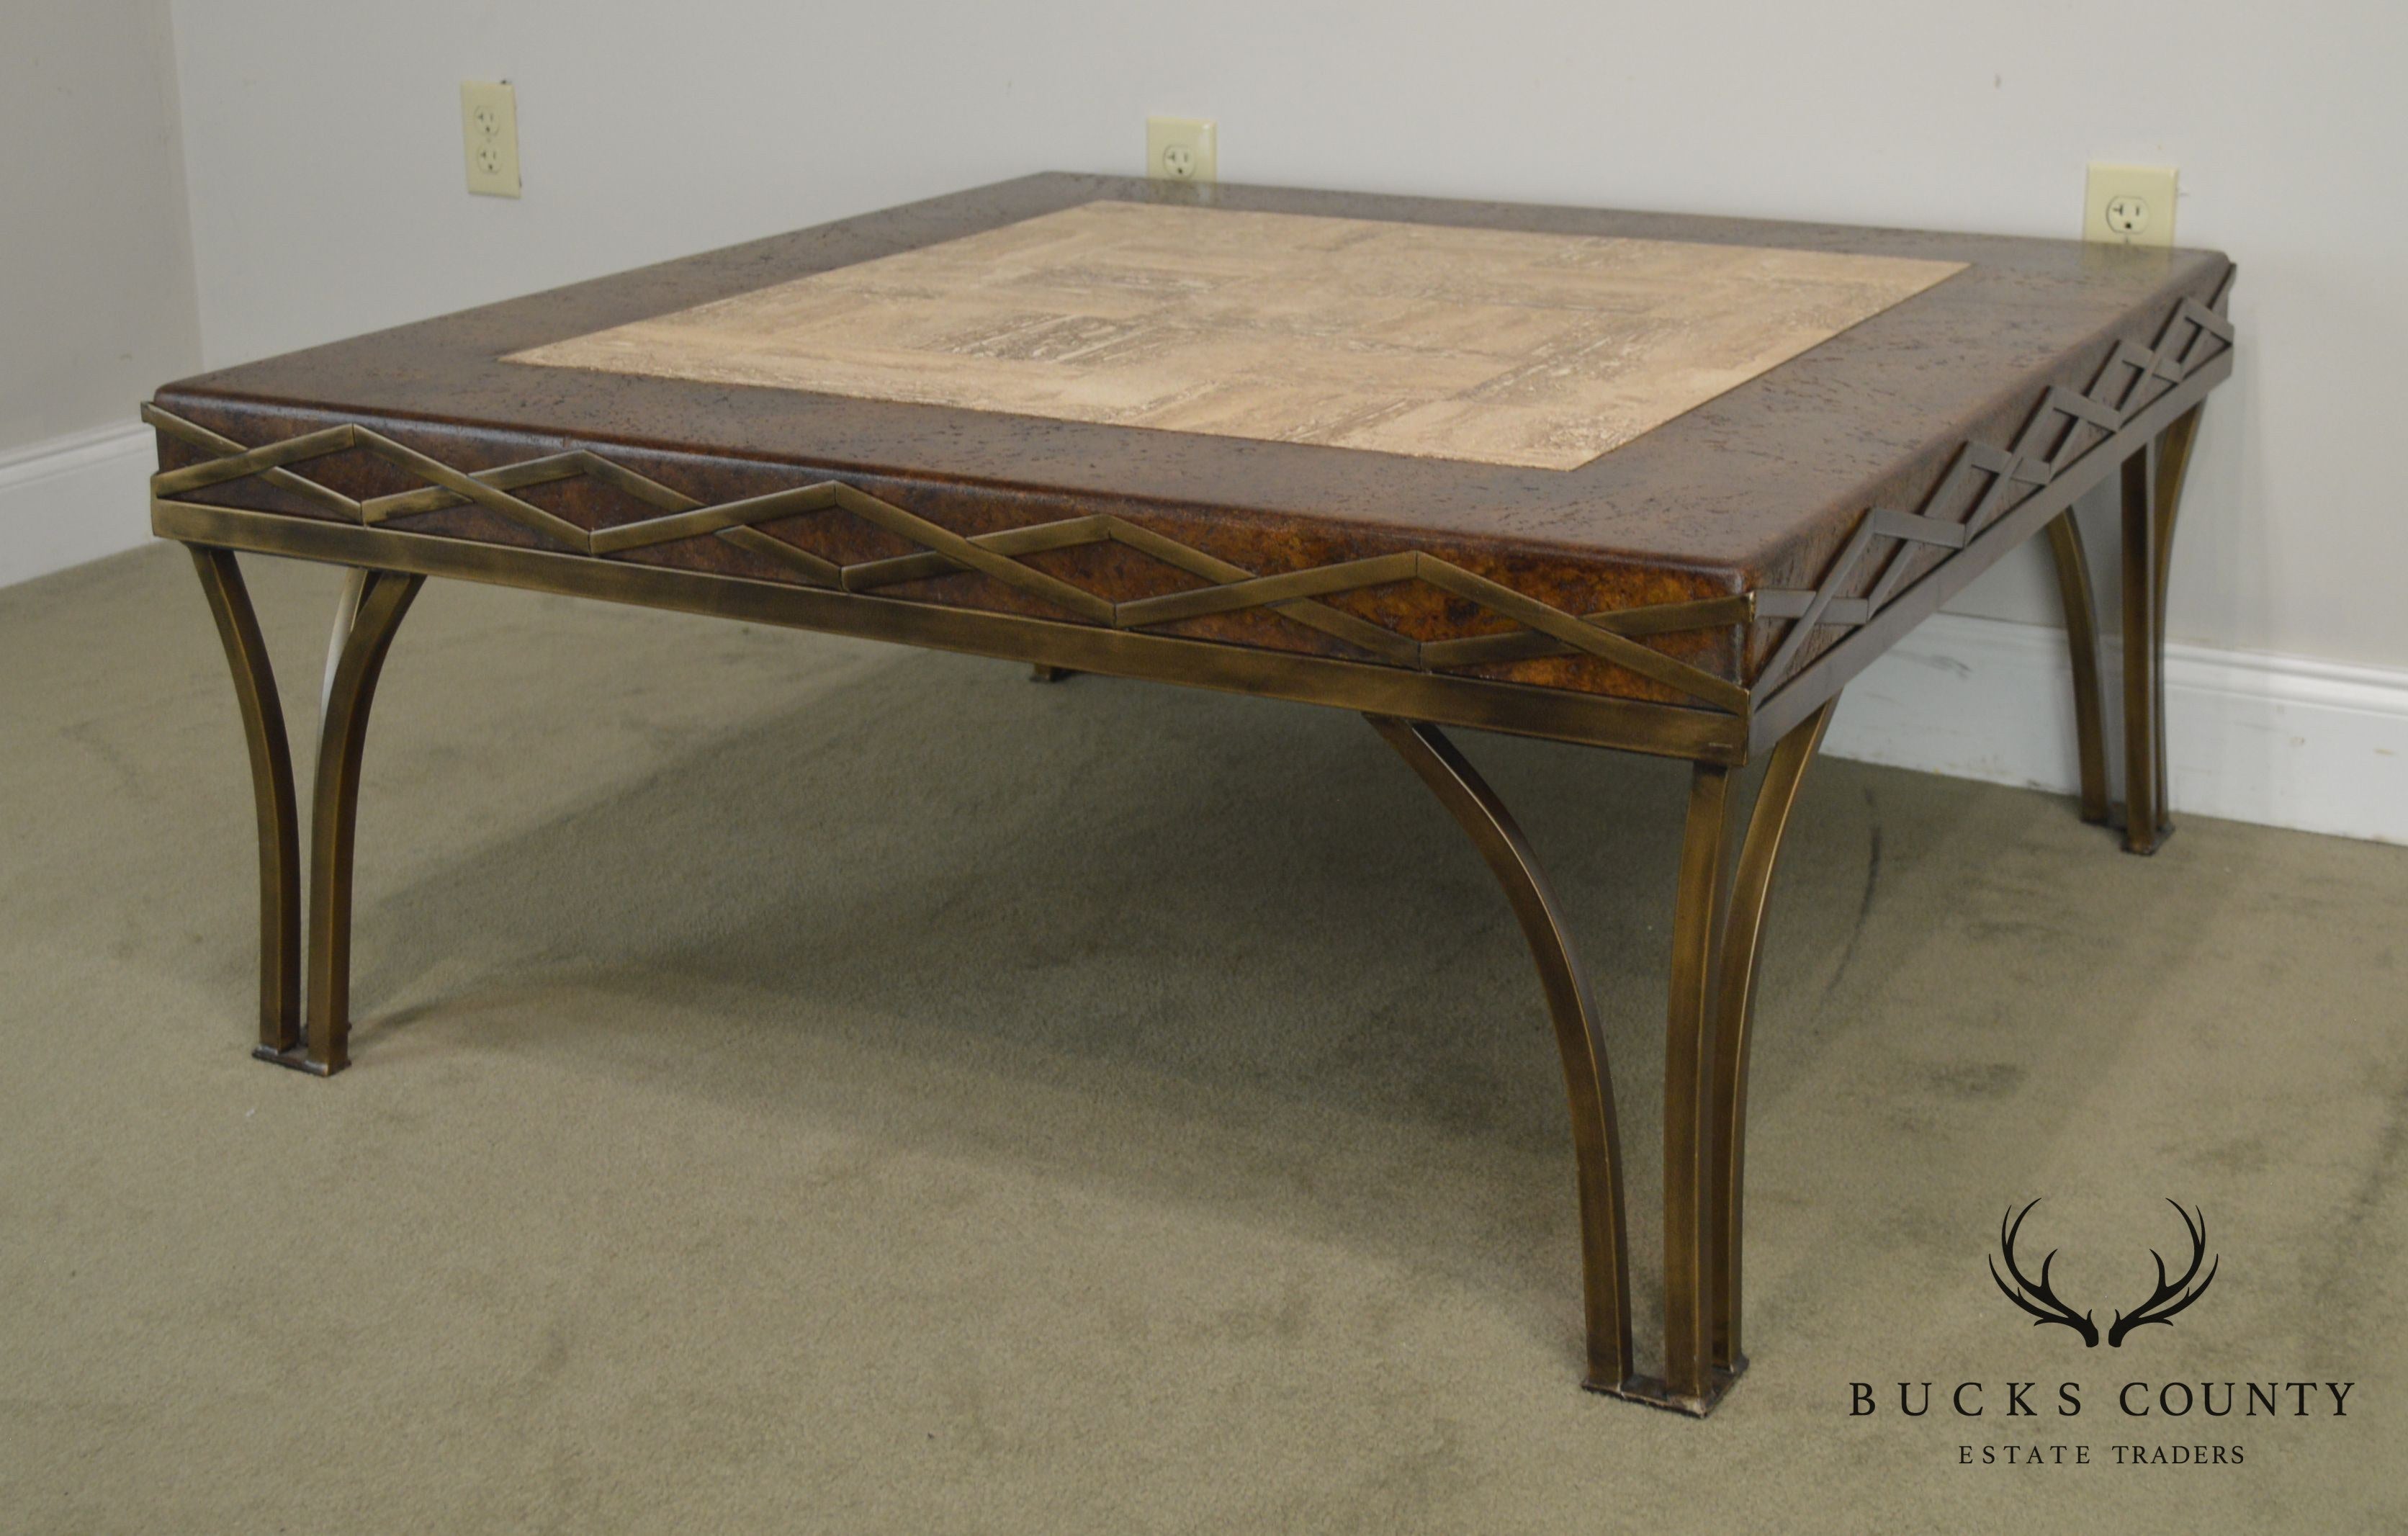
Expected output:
{"points": [[1604, 413], [1501, 347]]}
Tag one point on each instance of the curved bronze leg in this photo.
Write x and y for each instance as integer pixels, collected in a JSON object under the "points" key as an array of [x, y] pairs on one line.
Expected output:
{"points": [[1735, 1007], [2142, 816], [2082, 638], [2152, 484], [347, 613], [271, 786], [2173, 466], [1689, 1106], [1595, 1144], [333, 812]]}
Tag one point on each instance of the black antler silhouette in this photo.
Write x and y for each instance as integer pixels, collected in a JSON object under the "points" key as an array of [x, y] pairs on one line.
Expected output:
{"points": [[2056, 1311], [2155, 1309]]}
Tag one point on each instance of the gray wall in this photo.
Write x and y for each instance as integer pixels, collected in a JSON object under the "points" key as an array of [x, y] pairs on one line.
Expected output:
{"points": [[96, 296], [322, 144]]}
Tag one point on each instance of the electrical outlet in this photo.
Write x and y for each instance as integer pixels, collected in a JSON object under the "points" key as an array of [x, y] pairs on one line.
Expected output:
{"points": [[489, 129], [1181, 150], [2129, 205]]}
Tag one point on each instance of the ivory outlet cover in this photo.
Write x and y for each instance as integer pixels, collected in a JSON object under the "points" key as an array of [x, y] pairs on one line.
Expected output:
{"points": [[489, 131], [2128, 205], [1181, 150]]}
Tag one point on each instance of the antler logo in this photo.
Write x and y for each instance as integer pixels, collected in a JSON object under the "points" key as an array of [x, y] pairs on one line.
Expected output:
{"points": [[2036, 1297]]}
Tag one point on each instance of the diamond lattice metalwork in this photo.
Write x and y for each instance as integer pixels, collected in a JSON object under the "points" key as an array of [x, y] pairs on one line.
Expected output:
{"points": [[1228, 589], [1985, 482]]}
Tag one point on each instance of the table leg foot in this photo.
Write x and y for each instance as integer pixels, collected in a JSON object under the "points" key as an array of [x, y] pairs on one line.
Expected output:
{"points": [[1652, 1391], [2148, 847], [297, 1058], [1041, 672]]}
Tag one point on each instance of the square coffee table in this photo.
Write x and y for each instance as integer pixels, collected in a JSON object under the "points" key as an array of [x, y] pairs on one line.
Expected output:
{"points": [[1636, 480]]}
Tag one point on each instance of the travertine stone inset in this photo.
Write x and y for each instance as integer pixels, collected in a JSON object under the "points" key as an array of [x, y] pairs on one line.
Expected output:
{"points": [[1496, 346]]}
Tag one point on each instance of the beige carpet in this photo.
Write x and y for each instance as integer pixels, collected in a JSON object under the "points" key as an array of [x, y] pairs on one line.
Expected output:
{"points": [[808, 1087]]}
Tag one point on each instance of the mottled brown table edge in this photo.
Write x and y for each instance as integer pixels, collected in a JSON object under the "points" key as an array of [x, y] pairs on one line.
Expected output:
{"points": [[1676, 501], [1464, 611]]}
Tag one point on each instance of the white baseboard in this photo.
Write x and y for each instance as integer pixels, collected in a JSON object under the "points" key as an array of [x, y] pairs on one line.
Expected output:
{"points": [[2279, 740], [70, 499]]}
